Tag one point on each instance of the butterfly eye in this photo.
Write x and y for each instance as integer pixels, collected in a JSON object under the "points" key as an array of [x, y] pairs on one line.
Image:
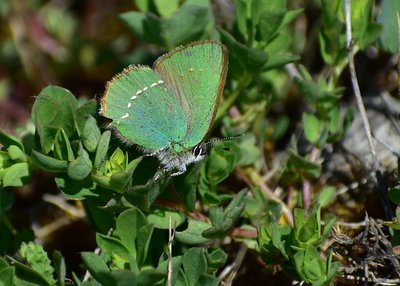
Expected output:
{"points": [[197, 151]]}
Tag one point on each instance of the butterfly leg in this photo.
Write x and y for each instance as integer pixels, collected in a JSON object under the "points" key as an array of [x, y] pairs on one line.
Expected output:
{"points": [[181, 170], [161, 173]]}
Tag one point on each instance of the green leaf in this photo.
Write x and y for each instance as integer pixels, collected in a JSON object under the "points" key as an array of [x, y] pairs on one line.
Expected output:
{"points": [[3, 263], [160, 217], [149, 276], [394, 195], [16, 154], [371, 34], [59, 265], [62, 147], [102, 148], [230, 216], [99, 216], [81, 167], [134, 163], [7, 140], [76, 190], [128, 225], [259, 7], [118, 157], [116, 182], [309, 265], [91, 134], [303, 166], [192, 234], [6, 202], [112, 247], [48, 163], [145, 26], [146, 277], [181, 279], [236, 204], [216, 215], [187, 24], [365, 31], [249, 151], [28, 274], [194, 265], [243, 58], [143, 242], [269, 22], [5, 160], [16, 175], [96, 266], [186, 186], [307, 229], [120, 278], [311, 127], [281, 126], [37, 258], [271, 241], [208, 280], [216, 258], [89, 108], [166, 8], [54, 109], [176, 268], [326, 196], [142, 5], [334, 120], [389, 10], [242, 10], [143, 196], [7, 276], [279, 60], [221, 162], [330, 221], [219, 230]]}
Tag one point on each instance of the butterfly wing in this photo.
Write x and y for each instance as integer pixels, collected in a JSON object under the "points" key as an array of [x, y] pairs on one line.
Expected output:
{"points": [[144, 109], [196, 74]]}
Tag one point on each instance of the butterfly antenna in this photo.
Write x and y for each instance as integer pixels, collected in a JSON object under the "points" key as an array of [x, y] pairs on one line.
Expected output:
{"points": [[211, 142]]}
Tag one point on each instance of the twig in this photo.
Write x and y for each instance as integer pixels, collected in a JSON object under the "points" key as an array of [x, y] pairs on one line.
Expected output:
{"points": [[387, 146], [232, 269], [393, 120], [356, 88], [293, 72], [363, 113], [353, 225], [307, 187], [268, 193]]}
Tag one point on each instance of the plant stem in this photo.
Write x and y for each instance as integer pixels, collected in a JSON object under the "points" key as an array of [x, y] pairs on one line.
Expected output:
{"points": [[232, 98], [363, 113]]}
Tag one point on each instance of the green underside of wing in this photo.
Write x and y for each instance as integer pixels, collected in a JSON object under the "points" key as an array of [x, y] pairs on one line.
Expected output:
{"points": [[172, 106], [197, 75], [153, 118]]}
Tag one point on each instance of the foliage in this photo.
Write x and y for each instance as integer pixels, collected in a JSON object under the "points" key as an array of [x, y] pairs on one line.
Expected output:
{"points": [[132, 215]]}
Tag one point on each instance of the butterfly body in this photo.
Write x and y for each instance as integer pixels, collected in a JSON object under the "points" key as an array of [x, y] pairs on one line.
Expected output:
{"points": [[167, 111], [175, 163]]}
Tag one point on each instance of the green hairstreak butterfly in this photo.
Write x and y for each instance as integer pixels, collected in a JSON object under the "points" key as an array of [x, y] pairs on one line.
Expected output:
{"points": [[167, 111]]}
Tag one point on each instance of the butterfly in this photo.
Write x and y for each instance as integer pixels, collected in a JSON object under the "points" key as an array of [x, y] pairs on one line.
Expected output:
{"points": [[168, 110]]}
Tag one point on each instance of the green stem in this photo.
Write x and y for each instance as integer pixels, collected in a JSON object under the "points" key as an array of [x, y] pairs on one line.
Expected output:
{"points": [[227, 103]]}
